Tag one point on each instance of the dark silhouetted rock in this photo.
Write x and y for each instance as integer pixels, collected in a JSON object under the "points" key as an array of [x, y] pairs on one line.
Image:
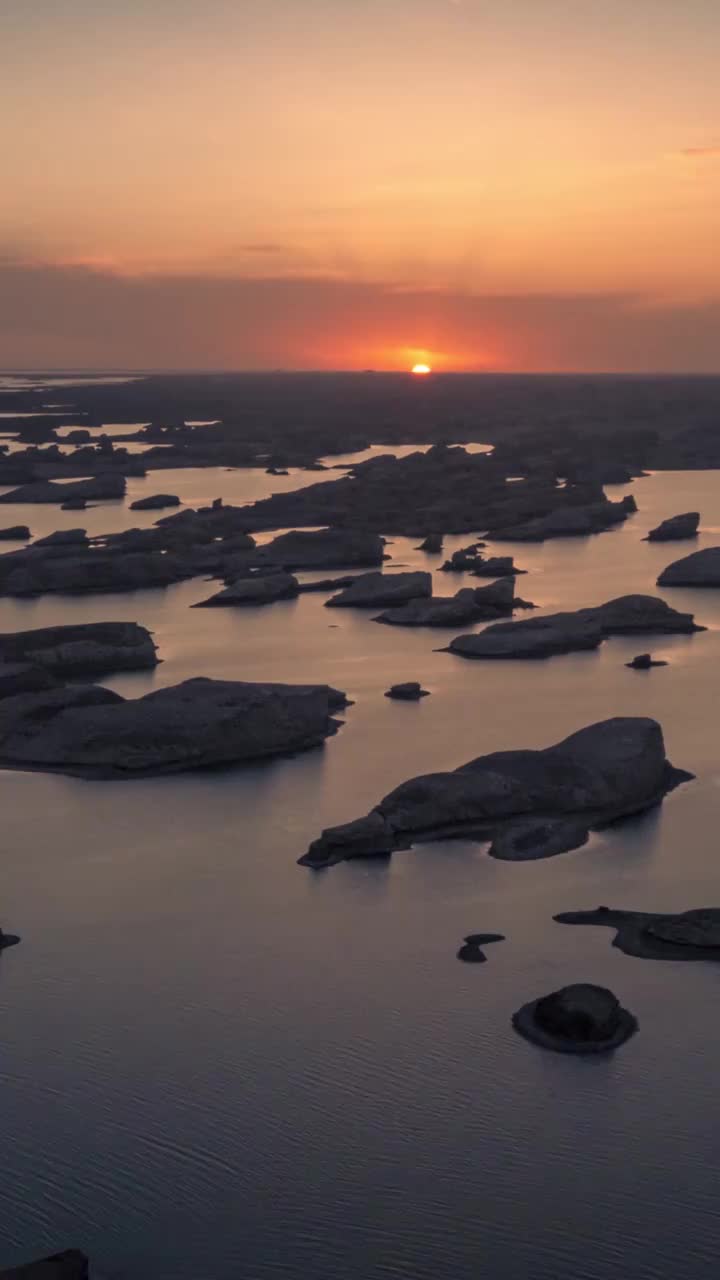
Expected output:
{"points": [[23, 677], [644, 661], [90, 570], [8, 940], [70, 1265], [63, 538], [263, 589], [93, 732], [602, 773], [676, 527], [15, 533], [82, 649], [470, 604], [74, 504], [699, 569], [572, 632], [433, 544], [323, 549], [495, 567], [581, 1018], [569, 522], [687, 935], [465, 559], [326, 584], [155, 502], [472, 949], [410, 691], [98, 489], [372, 590]]}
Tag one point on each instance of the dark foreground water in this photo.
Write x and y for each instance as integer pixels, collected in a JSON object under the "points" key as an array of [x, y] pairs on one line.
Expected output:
{"points": [[216, 1065]]}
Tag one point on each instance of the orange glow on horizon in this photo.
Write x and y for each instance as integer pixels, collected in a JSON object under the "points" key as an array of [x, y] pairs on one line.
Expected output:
{"points": [[421, 370]]}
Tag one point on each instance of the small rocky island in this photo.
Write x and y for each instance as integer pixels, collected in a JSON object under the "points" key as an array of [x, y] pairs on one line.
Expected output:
{"points": [[528, 804], [685, 935], [410, 691], [471, 952], [581, 1018]]}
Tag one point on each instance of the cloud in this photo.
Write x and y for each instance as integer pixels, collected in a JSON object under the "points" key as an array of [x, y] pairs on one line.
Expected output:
{"points": [[79, 316]]}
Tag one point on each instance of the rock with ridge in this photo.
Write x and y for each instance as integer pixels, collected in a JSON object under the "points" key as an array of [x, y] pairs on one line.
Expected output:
{"points": [[372, 590], [675, 528], [601, 773], [155, 502], [260, 589], [581, 1018], [15, 533], [86, 648], [573, 632], [410, 691], [90, 731], [699, 569]]}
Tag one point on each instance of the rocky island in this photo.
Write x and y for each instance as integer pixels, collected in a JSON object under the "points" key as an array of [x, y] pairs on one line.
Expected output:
{"points": [[527, 804], [685, 935], [581, 1018]]}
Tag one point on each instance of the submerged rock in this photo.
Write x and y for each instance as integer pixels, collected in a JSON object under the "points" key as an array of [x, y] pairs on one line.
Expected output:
{"points": [[686, 935], [572, 632], [675, 527], [263, 589], [699, 569], [155, 502], [93, 732], [376, 589], [411, 691], [581, 1018], [599, 774], [87, 648], [644, 661], [69, 1265]]}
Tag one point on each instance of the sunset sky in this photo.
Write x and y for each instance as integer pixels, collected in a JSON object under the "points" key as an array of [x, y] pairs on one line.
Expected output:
{"points": [[532, 184]]}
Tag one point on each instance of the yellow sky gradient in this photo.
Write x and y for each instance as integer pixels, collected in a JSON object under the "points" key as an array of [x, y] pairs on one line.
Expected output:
{"points": [[443, 148]]}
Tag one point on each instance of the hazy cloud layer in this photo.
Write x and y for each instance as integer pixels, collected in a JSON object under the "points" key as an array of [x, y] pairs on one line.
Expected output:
{"points": [[76, 316]]}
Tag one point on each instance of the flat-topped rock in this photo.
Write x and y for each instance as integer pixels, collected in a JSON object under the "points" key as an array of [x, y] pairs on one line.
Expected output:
{"points": [[410, 691], [97, 489], [15, 533], [581, 1018], [263, 589], [87, 648], [371, 590], [601, 773], [675, 528], [560, 633], [699, 569], [155, 502], [685, 935], [86, 570], [93, 732], [69, 1265]]}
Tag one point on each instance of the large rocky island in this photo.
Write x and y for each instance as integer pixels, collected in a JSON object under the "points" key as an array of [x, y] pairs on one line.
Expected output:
{"points": [[528, 804], [93, 732], [685, 935]]}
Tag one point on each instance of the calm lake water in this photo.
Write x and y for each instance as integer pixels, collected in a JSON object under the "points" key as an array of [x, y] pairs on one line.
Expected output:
{"points": [[217, 1065]]}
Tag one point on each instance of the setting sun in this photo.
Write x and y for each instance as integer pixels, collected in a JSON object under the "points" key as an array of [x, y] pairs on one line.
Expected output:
{"points": [[421, 369]]}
